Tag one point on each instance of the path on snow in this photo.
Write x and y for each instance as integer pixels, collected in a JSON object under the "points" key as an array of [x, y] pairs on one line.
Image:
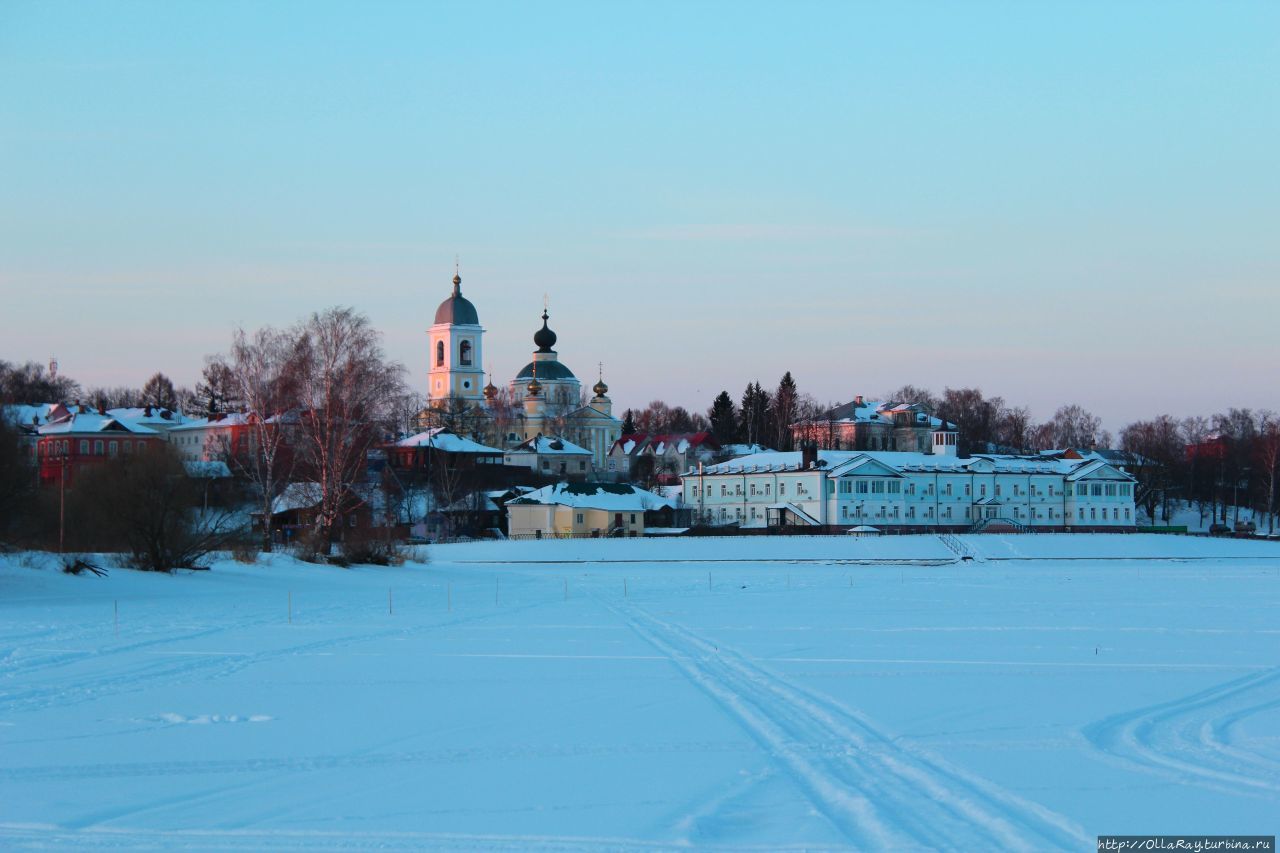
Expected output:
{"points": [[875, 790]]}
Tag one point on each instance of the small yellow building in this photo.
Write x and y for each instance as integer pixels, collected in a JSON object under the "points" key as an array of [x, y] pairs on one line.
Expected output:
{"points": [[583, 510]]}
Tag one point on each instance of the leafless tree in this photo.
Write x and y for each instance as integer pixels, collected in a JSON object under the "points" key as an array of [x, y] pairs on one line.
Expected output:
{"points": [[345, 387], [263, 370], [557, 408], [17, 474], [121, 397], [504, 416], [34, 383], [1268, 463], [1014, 428], [914, 394], [456, 414], [1157, 451], [148, 505], [217, 390], [1237, 430], [975, 416], [1075, 426], [404, 413], [1194, 430]]}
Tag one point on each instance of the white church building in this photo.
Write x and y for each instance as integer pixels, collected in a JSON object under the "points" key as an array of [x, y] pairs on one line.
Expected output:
{"points": [[544, 399]]}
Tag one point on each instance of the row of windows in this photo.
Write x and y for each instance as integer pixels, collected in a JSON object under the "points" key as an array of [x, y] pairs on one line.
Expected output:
{"points": [[881, 513], [735, 490], [893, 487], [95, 447], [546, 466], [1093, 513], [580, 517]]}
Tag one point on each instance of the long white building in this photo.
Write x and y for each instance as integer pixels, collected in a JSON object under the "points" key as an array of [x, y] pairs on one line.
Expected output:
{"points": [[911, 491]]}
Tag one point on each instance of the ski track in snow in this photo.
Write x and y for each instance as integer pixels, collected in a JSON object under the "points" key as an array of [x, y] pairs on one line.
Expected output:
{"points": [[1192, 739], [878, 793]]}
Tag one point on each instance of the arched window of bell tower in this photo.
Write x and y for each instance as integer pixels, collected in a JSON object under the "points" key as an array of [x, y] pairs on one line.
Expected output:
{"points": [[439, 353], [464, 353]]}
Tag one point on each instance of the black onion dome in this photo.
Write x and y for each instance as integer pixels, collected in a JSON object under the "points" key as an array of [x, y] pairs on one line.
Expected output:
{"points": [[457, 310], [546, 370], [544, 337]]}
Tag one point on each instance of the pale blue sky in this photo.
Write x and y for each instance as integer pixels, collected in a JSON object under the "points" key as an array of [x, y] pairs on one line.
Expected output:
{"points": [[1077, 202]]}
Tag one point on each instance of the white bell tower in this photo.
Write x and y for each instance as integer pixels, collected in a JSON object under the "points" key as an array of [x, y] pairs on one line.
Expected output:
{"points": [[455, 350]]}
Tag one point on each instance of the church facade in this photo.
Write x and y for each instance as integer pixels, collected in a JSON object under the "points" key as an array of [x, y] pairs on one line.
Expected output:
{"points": [[545, 398]]}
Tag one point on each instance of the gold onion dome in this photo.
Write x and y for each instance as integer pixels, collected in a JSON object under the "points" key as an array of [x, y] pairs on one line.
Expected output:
{"points": [[534, 387], [600, 388]]}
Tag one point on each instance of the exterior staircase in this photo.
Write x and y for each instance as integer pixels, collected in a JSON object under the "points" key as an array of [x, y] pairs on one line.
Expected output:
{"points": [[997, 525], [961, 550]]}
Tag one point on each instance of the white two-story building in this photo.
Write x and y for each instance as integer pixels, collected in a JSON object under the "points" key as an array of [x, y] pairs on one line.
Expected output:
{"points": [[911, 491]]}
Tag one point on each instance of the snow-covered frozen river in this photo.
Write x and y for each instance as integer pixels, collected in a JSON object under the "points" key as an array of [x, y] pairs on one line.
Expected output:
{"points": [[749, 693]]}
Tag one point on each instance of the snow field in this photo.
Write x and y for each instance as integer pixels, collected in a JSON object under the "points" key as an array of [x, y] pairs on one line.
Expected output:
{"points": [[602, 695]]}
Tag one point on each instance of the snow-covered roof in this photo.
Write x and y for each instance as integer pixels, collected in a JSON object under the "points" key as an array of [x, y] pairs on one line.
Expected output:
{"points": [[28, 414], [633, 444], [148, 416], [675, 491], [550, 445], [733, 450], [1108, 455], [840, 462], [306, 495], [490, 500], [92, 422], [447, 442], [296, 496], [619, 497], [873, 411], [234, 419]]}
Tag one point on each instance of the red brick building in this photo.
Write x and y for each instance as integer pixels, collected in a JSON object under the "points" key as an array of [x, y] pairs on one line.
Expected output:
{"points": [[69, 446]]}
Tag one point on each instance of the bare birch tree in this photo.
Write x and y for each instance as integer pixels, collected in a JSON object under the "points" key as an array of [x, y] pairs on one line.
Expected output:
{"points": [[345, 388], [262, 373]]}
